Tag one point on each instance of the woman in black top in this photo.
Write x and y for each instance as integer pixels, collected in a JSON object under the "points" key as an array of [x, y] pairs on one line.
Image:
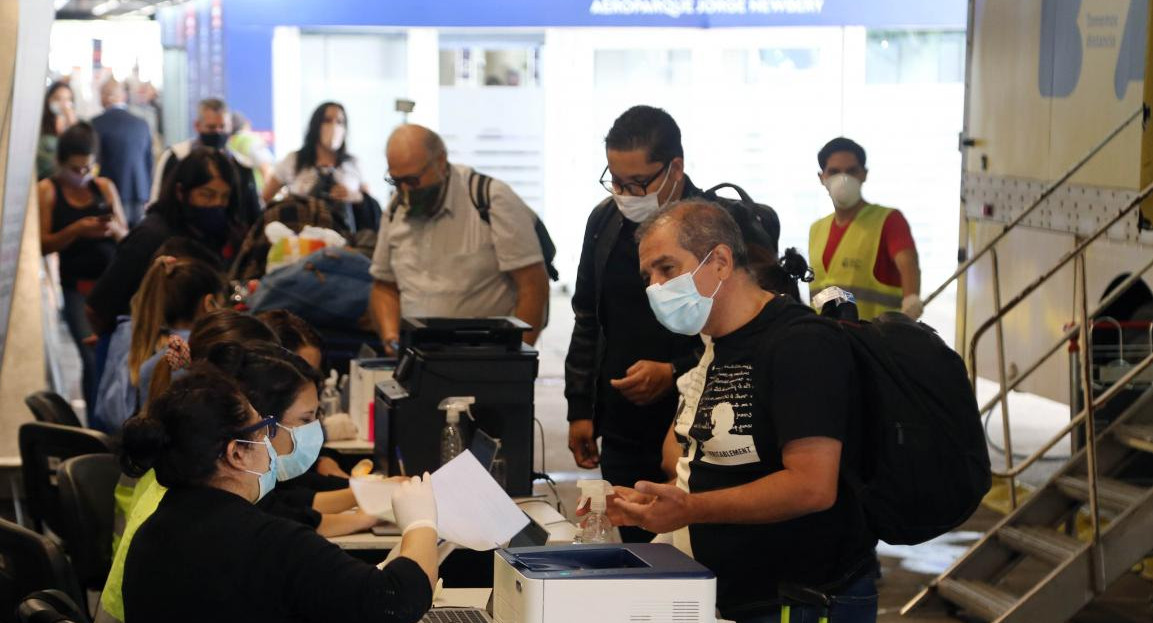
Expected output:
{"points": [[81, 219], [199, 200], [207, 554]]}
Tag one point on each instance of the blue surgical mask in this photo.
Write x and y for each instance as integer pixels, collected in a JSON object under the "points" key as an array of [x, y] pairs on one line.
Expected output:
{"points": [[677, 304], [306, 443], [268, 478]]}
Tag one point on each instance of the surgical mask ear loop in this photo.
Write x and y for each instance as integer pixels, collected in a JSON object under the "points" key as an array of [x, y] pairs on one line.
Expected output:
{"points": [[701, 265]]}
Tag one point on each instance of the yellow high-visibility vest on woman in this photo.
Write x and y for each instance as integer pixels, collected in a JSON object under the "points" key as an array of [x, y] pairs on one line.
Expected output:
{"points": [[851, 267]]}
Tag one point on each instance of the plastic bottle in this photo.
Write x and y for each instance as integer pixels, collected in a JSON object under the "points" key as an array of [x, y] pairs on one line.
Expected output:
{"points": [[595, 527], [330, 397], [451, 441]]}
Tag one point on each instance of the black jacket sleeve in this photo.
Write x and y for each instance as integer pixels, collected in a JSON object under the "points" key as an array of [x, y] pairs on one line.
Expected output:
{"points": [[113, 292], [581, 361], [326, 584]]}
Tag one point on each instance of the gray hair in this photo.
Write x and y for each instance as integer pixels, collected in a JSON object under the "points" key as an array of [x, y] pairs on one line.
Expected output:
{"points": [[702, 226], [215, 104]]}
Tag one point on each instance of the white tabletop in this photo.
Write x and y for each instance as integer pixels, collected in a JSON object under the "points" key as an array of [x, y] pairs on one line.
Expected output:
{"points": [[560, 530]]}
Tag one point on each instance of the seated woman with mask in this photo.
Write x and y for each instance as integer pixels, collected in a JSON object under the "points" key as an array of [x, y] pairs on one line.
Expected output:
{"points": [[207, 553]]}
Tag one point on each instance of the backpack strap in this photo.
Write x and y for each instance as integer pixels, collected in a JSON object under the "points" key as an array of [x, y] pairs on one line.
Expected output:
{"points": [[712, 192], [479, 191]]}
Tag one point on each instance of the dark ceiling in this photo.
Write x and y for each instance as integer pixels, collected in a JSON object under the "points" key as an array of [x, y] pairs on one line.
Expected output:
{"points": [[99, 9]]}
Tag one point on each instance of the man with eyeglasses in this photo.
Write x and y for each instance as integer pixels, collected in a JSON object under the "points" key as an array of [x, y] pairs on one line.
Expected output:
{"points": [[438, 256], [622, 363]]}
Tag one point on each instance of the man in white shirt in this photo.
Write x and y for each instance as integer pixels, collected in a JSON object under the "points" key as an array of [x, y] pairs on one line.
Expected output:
{"points": [[438, 256]]}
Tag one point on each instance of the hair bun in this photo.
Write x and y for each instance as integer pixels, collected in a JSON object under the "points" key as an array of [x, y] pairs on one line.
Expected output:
{"points": [[144, 440], [795, 267]]}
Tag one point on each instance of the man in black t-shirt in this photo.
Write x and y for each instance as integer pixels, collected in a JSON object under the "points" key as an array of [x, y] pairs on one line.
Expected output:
{"points": [[763, 427]]}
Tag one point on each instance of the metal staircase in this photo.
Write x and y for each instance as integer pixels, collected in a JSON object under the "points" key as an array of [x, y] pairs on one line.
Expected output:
{"points": [[1029, 568], [1036, 565]]}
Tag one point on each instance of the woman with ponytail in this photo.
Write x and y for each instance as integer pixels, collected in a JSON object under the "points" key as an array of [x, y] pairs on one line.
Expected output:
{"points": [[175, 292], [222, 325], [207, 554]]}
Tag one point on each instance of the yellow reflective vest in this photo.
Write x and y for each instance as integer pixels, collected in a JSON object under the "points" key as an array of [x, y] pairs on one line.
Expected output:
{"points": [[851, 267]]}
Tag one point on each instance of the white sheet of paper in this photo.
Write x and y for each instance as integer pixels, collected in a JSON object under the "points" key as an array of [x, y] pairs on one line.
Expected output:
{"points": [[472, 510]]}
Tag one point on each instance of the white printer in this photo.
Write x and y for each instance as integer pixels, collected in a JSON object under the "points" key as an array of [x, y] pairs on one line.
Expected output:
{"points": [[609, 583]]}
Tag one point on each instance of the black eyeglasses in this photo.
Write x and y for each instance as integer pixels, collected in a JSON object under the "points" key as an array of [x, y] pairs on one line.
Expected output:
{"points": [[636, 189], [411, 181], [268, 422]]}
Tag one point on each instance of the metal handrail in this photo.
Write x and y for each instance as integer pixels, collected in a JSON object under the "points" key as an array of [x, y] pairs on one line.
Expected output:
{"points": [[1070, 332], [1045, 194], [1077, 251], [1098, 402]]}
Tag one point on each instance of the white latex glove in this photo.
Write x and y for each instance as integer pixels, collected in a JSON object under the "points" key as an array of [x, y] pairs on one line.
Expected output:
{"points": [[912, 306], [414, 504]]}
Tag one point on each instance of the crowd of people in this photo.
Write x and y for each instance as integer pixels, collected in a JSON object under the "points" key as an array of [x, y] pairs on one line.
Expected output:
{"points": [[691, 379]]}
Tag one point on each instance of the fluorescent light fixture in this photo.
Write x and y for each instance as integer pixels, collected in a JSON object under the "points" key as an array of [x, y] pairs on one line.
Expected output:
{"points": [[104, 7]]}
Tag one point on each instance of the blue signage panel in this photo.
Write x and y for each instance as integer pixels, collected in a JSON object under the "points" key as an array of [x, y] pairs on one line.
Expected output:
{"points": [[601, 13]]}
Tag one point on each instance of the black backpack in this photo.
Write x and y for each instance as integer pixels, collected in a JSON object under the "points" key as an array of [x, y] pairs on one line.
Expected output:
{"points": [[479, 187], [924, 463]]}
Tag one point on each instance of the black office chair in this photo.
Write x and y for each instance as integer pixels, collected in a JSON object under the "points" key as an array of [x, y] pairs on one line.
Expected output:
{"points": [[52, 408], [43, 447], [87, 486], [50, 606], [32, 562]]}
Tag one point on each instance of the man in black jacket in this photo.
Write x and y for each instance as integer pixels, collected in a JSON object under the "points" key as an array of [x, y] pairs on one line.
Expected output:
{"points": [[622, 363]]}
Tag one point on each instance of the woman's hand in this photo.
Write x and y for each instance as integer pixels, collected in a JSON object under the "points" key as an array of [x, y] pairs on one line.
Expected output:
{"points": [[92, 227]]}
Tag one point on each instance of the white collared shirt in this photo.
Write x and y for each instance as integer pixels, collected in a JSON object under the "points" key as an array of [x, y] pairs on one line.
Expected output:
{"points": [[454, 264]]}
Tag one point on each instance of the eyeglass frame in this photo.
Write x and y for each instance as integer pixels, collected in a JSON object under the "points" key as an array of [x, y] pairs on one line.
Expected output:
{"points": [[268, 422], [410, 181], [609, 184]]}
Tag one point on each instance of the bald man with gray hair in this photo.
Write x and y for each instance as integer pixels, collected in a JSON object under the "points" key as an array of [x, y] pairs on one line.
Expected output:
{"points": [[440, 254]]}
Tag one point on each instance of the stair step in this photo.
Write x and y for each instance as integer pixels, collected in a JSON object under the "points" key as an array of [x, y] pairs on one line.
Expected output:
{"points": [[1112, 494], [977, 598], [1039, 542], [1136, 436]]}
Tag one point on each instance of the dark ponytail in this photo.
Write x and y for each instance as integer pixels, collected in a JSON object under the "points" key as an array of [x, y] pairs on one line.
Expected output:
{"points": [[782, 277]]}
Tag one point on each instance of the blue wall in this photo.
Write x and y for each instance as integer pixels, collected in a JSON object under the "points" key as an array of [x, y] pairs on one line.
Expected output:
{"points": [[248, 24]]}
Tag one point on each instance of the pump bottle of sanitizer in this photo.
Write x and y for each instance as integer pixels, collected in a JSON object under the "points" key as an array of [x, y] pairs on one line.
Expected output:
{"points": [[595, 526]]}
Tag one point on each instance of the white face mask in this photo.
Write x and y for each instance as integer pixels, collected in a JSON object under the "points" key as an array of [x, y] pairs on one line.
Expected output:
{"points": [[332, 135], [266, 480], [677, 304], [844, 190], [637, 209]]}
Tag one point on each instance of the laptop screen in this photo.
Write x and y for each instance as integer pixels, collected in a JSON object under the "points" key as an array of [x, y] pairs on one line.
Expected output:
{"points": [[484, 448]]}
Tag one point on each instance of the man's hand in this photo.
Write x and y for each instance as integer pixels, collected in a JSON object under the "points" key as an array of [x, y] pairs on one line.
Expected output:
{"points": [[645, 381], [582, 444], [653, 507], [614, 512]]}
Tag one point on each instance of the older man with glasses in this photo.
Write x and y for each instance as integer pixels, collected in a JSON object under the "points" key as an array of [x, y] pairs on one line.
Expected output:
{"points": [[454, 243], [622, 364]]}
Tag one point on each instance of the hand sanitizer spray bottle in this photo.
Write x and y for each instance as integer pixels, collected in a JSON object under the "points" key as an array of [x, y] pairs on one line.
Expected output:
{"points": [[451, 441]]}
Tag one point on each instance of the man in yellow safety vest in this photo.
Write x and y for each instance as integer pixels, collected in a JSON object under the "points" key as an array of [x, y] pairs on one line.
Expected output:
{"points": [[862, 247]]}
